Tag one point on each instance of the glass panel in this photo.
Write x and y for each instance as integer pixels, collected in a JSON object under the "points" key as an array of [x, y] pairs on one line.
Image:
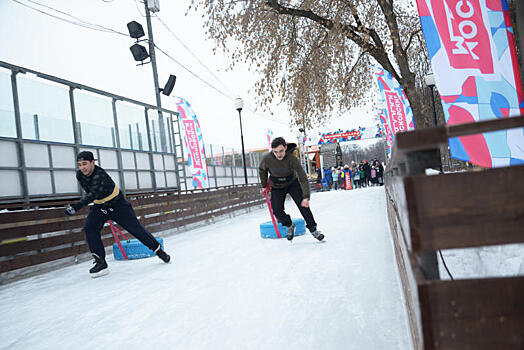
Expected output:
{"points": [[218, 155], [7, 114], [132, 126], [45, 111], [169, 133], [209, 154], [238, 158], [94, 116], [10, 183], [228, 156], [155, 129]]}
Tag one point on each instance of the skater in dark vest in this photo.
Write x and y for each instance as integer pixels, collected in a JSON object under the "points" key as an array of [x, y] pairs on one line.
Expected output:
{"points": [[283, 168], [109, 204]]}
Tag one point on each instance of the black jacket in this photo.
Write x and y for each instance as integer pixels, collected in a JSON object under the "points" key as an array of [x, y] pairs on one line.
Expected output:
{"points": [[98, 185]]}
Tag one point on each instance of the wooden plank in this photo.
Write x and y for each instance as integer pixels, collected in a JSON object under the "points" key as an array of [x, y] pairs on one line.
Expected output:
{"points": [[41, 243], [424, 139], [480, 314], [31, 215], [36, 229], [40, 258], [466, 209], [484, 126], [404, 264]]}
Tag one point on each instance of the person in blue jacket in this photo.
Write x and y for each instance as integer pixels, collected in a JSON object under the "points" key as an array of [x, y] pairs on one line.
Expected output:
{"points": [[328, 177]]}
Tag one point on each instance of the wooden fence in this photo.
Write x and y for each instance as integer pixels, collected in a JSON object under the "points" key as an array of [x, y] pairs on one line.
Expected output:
{"points": [[39, 235], [445, 211]]}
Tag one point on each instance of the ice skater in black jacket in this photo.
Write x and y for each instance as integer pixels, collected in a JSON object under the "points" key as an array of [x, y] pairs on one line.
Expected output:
{"points": [[109, 204]]}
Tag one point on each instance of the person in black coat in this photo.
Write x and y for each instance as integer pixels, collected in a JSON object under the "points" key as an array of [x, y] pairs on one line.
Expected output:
{"points": [[367, 172], [109, 204]]}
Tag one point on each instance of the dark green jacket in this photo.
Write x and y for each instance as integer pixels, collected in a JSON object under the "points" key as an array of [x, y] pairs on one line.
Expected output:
{"points": [[289, 167]]}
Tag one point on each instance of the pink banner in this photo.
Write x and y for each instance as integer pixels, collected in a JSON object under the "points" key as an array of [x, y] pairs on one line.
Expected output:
{"points": [[192, 142], [464, 34], [396, 114]]}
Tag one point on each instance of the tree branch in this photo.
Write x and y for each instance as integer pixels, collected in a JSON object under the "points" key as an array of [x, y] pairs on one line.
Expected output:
{"points": [[411, 38]]}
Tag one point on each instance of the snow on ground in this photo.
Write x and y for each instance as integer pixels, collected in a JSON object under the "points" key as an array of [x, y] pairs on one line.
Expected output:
{"points": [[227, 288]]}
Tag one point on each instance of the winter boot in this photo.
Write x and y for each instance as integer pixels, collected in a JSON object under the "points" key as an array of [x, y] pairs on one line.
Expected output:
{"points": [[162, 255], [317, 234], [290, 231], [100, 268]]}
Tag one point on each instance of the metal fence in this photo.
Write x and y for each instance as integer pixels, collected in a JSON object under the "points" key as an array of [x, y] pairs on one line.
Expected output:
{"points": [[45, 121]]}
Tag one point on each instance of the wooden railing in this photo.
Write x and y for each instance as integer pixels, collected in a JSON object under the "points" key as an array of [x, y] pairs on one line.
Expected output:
{"points": [[35, 236], [445, 211]]}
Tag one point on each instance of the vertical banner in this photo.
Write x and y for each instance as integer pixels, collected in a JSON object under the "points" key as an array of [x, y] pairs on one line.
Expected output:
{"points": [[396, 114], [269, 135], [382, 115], [196, 154], [473, 56]]}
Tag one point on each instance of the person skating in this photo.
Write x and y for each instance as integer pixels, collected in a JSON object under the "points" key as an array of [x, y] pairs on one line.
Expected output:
{"points": [[283, 167], [109, 204]]}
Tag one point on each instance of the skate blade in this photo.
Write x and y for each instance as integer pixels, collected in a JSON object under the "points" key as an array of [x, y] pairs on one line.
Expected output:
{"points": [[100, 273]]}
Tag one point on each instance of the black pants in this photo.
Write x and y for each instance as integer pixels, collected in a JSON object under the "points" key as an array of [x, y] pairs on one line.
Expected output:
{"points": [[122, 212], [278, 197]]}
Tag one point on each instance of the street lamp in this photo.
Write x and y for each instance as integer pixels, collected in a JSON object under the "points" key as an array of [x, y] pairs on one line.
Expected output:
{"points": [[239, 103], [306, 153], [430, 82]]}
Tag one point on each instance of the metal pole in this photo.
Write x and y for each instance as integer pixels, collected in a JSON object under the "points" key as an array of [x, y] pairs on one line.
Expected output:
{"points": [[433, 103], [150, 152], [242, 139], [306, 154], [119, 147], [435, 121], [155, 79], [37, 129], [19, 138], [520, 28]]}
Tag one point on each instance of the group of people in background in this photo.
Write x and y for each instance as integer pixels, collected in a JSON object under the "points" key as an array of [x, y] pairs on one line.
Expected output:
{"points": [[360, 175]]}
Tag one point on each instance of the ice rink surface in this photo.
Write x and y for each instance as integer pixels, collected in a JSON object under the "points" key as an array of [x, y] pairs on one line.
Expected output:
{"points": [[227, 288]]}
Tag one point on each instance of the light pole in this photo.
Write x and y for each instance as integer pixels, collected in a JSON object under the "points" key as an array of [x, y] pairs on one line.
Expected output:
{"points": [[430, 82], [239, 103], [306, 153]]}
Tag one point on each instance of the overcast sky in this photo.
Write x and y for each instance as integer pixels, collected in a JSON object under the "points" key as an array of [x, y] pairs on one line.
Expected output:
{"points": [[102, 60]]}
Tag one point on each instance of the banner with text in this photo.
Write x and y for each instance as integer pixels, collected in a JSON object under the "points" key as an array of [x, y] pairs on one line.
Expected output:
{"points": [[196, 154], [368, 132], [473, 56], [270, 137], [395, 113]]}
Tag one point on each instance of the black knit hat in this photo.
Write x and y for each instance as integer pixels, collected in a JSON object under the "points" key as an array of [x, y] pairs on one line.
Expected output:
{"points": [[85, 155]]}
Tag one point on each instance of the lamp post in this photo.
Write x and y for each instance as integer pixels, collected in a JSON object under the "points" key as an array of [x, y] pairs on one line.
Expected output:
{"points": [[306, 153], [239, 104], [430, 82]]}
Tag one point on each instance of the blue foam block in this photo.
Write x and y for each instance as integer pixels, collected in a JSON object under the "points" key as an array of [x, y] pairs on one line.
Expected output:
{"points": [[134, 249], [267, 230]]}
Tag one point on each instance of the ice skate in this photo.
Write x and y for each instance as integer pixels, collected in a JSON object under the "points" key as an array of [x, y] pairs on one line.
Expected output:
{"points": [[100, 269], [317, 234], [290, 232], [162, 254]]}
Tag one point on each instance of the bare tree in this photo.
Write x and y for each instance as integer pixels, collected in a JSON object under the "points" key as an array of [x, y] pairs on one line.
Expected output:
{"points": [[317, 55], [355, 152]]}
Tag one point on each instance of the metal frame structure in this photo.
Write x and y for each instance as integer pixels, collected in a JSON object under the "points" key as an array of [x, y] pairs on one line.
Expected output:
{"points": [[227, 173], [77, 144]]}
